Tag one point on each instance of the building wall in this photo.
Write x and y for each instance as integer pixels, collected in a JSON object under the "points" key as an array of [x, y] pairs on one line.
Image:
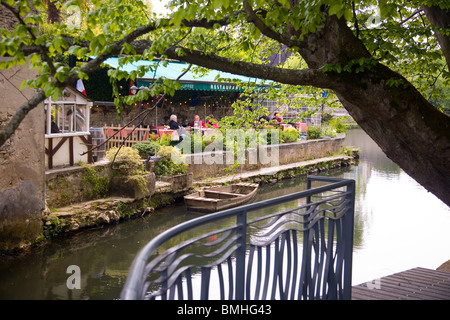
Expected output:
{"points": [[61, 157], [22, 192]]}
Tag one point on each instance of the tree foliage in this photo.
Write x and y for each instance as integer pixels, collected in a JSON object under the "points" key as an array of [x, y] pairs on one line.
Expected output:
{"points": [[397, 34], [385, 60]]}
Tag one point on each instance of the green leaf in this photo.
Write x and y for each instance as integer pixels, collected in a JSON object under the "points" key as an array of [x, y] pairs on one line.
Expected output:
{"points": [[255, 32], [217, 4], [336, 9], [348, 15]]}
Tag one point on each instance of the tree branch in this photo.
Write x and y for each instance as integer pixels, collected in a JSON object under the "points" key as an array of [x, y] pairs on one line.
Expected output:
{"points": [[210, 24], [40, 49], [307, 77], [110, 51], [252, 17], [440, 18], [20, 114]]}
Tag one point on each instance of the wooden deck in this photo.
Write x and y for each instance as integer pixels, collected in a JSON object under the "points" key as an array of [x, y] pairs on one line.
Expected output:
{"points": [[413, 284]]}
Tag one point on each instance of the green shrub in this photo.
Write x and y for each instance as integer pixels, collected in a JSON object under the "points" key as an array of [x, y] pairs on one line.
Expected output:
{"points": [[128, 160], [147, 149], [166, 167], [165, 140], [171, 153], [197, 142], [338, 125], [289, 135], [264, 136], [172, 162], [329, 132], [211, 138], [314, 132]]}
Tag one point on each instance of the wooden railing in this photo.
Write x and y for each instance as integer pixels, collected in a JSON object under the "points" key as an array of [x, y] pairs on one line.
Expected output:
{"points": [[115, 135]]}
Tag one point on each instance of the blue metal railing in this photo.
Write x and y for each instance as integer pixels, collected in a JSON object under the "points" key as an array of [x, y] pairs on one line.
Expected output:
{"points": [[297, 246]]}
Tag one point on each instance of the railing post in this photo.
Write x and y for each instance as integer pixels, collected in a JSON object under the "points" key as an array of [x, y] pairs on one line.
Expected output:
{"points": [[308, 186], [349, 219], [241, 230], [306, 251]]}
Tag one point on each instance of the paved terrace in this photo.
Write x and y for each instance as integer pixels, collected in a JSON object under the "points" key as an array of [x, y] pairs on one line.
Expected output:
{"points": [[413, 284], [295, 169]]}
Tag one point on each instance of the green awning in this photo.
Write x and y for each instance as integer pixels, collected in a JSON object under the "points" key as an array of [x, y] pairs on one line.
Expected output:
{"points": [[197, 86], [189, 81]]}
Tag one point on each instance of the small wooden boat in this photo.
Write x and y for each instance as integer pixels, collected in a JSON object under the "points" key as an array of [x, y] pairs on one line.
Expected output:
{"points": [[222, 197]]}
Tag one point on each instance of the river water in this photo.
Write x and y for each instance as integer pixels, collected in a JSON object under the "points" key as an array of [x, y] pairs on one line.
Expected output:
{"points": [[398, 226]]}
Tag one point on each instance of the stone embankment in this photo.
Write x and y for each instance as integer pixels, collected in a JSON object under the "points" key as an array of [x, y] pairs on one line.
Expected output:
{"points": [[88, 196], [164, 191], [125, 199]]}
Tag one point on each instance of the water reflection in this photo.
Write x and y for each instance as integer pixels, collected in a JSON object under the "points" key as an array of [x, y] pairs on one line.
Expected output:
{"points": [[398, 225]]}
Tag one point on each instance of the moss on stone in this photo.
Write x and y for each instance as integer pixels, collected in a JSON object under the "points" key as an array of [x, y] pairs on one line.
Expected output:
{"points": [[161, 199], [100, 184]]}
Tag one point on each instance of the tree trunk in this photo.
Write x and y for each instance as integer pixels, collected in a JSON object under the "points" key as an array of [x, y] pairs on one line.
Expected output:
{"points": [[53, 13], [410, 130]]}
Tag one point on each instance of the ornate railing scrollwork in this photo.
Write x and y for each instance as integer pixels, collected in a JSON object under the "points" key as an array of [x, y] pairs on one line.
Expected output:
{"points": [[297, 246]]}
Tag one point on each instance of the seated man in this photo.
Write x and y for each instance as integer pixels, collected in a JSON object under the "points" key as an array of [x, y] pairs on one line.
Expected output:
{"points": [[197, 122]]}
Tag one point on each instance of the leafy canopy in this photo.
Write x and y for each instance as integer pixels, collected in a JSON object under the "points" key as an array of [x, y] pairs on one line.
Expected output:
{"points": [[395, 33]]}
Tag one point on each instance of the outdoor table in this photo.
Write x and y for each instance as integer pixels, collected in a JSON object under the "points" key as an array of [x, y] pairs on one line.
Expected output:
{"points": [[301, 126], [284, 126], [172, 133], [198, 129], [207, 131]]}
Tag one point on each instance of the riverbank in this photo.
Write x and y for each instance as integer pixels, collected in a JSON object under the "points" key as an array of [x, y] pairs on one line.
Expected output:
{"points": [[392, 234], [84, 196], [81, 197], [96, 213]]}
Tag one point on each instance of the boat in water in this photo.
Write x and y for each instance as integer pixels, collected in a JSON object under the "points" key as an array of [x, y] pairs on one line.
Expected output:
{"points": [[220, 198]]}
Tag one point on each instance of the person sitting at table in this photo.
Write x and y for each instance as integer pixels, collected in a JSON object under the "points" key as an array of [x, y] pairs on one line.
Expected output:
{"points": [[213, 122], [276, 116], [173, 124], [197, 122], [54, 127]]}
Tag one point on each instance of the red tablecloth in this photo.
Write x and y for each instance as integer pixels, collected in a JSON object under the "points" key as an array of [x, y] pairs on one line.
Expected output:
{"points": [[173, 133]]}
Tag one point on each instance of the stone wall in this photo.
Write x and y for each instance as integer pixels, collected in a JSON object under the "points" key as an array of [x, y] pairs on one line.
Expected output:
{"points": [[22, 190], [206, 165], [66, 186], [78, 184]]}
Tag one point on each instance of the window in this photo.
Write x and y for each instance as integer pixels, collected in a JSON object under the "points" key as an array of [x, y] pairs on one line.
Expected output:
{"points": [[69, 115]]}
